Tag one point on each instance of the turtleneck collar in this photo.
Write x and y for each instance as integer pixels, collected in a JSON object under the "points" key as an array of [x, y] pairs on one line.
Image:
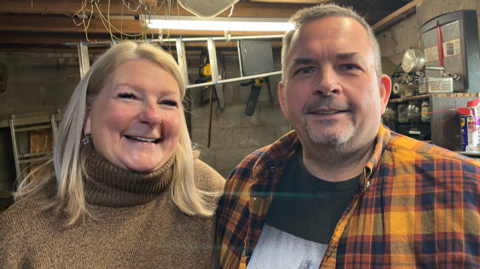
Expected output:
{"points": [[109, 185]]}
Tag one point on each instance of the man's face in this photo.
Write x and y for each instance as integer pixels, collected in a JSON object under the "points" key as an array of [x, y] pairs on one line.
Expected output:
{"points": [[331, 94]]}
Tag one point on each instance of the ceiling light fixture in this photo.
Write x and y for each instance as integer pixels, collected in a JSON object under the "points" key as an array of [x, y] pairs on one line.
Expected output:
{"points": [[219, 23]]}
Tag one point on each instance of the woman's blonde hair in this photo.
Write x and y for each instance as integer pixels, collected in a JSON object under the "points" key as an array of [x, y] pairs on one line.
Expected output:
{"points": [[67, 167]]}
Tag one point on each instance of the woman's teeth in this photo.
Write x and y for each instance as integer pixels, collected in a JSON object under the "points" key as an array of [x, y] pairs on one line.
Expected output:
{"points": [[143, 139]]}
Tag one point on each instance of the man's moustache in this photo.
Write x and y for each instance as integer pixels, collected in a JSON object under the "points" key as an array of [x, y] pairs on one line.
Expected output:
{"points": [[321, 103]]}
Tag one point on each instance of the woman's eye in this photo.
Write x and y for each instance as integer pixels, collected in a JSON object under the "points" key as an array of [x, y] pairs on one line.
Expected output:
{"points": [[168, 103], [126, 95]]}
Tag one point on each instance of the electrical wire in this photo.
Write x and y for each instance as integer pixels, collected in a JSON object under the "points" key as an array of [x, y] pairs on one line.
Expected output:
{"points": [[146, 10]]}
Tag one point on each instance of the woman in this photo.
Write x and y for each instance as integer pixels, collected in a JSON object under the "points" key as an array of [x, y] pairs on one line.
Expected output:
{"points": [[123, 189]]}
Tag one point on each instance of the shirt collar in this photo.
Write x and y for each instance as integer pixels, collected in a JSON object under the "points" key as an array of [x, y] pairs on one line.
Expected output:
{"points": [[280, 152]]}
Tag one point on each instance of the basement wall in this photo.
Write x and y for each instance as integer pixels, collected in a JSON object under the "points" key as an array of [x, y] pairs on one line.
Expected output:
{"points": [[39, 83], [405, 34], [234, 134]]}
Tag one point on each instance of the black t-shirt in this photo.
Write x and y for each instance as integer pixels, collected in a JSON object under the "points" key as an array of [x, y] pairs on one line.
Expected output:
{"points": [[307, 206]]}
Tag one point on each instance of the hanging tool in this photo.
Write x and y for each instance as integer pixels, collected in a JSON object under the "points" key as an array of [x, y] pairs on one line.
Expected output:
{"points": [[257, 85], [205, 74]]}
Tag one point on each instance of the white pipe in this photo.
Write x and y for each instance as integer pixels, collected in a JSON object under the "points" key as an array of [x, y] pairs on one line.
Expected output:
{"points": [[234, 80]]}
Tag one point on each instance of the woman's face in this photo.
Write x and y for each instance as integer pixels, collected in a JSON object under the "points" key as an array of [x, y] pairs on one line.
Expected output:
{"points": [[136, 120]]}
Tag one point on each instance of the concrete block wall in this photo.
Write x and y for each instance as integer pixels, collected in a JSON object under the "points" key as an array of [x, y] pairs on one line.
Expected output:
{"points": [[37, 82], [41, 82], [399, 37], [234, 134], [395, 40]]}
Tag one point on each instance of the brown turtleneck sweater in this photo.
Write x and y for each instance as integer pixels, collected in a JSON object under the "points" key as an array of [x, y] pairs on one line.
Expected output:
{"points": [[135, 226]]}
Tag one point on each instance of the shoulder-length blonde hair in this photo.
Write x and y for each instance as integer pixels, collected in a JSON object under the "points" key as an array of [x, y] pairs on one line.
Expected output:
{"points": [[67, 167]]}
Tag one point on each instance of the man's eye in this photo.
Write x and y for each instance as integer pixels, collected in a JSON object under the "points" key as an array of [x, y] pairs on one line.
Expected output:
{"points": [[305, 70], [126, 95], [349, 67], [168, 103]]}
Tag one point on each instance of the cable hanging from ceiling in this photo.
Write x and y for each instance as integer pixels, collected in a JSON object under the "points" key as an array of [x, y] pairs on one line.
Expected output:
{"points": [[146, 8]]}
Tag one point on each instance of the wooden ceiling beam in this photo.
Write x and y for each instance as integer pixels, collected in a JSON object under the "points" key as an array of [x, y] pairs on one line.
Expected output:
{"points": [[264, 10], [395, 16], [62, 25]]}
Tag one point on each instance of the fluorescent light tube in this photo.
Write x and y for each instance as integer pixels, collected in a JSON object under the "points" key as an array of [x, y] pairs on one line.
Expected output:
{"points": [[220, 24]]}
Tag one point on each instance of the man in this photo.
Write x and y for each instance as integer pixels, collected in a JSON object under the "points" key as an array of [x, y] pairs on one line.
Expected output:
{"points": [[342, 190]]}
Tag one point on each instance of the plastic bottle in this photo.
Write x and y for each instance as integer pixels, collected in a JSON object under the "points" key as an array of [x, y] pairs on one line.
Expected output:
{"points": [[475, 125], [402, 113], [414, 112], [426, 111]]}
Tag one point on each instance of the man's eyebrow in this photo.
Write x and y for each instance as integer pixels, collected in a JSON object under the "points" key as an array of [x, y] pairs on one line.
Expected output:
{"points": [[346, 56], [300, 61]]}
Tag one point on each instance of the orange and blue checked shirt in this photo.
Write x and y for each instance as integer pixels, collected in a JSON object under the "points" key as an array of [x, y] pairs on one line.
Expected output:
{"points": [[417, 207]]}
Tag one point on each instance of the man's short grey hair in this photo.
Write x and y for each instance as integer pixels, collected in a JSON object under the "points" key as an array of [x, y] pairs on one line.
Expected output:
{"points": [[323, 11]]}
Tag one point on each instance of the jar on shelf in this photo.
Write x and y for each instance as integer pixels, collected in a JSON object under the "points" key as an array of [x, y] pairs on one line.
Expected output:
{"points": [[414, 111], [426, 111], [402, 113], [391, 112]]}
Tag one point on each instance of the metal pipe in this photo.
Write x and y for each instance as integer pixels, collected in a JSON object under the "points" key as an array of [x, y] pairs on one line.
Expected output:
{"points": [[440, 44], [435, 68], [31, 160], [239, 59], [212, 55], [14, 144], [234, 80], [53, 123], [182, 60], [33, 128], [28, 155]]}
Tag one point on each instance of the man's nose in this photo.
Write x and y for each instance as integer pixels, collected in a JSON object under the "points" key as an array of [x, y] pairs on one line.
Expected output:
{"points": [[150, 115], [328, 82]]}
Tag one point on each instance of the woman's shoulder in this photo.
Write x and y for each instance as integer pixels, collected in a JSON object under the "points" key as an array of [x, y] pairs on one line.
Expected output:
{"points": [[206, 177], [21, 213]]}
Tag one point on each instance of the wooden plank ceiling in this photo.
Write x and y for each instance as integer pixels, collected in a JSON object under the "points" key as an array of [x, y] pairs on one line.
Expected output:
{"points": [[44, 25]]}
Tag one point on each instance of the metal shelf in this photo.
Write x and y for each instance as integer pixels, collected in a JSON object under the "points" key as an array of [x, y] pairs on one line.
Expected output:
{"points": [[468, 154], [409, 98]]}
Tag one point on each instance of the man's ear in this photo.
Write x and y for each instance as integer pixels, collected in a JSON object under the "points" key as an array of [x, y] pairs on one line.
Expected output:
{"points": [[385, 90], [281, 97]]}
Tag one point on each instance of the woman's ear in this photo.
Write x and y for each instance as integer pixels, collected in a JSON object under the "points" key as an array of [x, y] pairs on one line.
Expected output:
{"points": [[87, 126]]}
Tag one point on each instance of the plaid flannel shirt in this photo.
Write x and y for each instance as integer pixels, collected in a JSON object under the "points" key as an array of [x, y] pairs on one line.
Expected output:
{"points": [[416, 207]]}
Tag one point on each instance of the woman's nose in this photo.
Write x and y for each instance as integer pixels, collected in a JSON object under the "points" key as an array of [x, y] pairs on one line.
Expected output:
{"points": [[150, 115]]}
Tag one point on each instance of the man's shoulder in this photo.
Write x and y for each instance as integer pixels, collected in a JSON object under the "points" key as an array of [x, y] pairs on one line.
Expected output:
{"points": [[408, 148], [242, 173]]}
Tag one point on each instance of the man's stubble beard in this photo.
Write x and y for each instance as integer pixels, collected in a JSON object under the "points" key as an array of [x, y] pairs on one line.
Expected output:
{"points": [[329, 139], [316, 136]]}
